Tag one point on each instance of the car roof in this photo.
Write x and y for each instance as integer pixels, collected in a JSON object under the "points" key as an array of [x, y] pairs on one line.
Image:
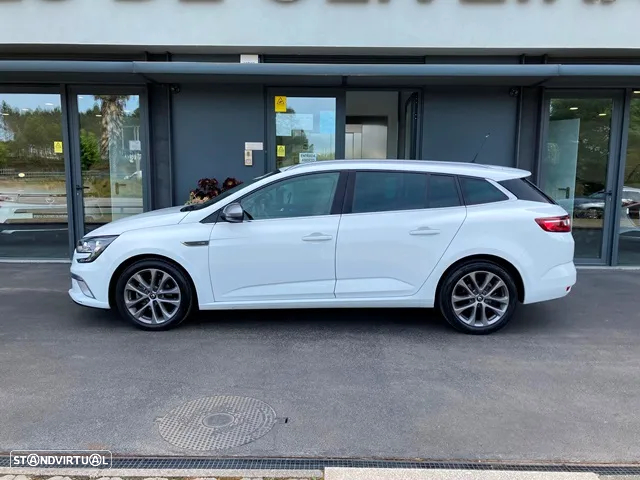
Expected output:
{"points": [[492, 172]]}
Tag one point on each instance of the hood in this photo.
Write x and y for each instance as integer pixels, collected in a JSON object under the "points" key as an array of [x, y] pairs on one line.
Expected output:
{"points": [[154, 218]]}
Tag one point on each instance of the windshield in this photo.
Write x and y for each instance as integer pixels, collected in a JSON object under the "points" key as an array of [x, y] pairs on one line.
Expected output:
{"points": [[226, 193]]}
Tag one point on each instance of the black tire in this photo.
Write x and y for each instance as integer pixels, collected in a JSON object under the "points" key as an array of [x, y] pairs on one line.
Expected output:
{"points": [[594, 213], [450, 283], [185, 300]]}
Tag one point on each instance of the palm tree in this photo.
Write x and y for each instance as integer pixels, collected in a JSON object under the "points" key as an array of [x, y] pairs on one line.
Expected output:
{"points": [[112, 111]]}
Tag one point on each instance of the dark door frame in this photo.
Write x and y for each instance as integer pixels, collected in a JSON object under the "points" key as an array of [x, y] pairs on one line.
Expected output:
{"points": [[73, 138], [614, 162]]}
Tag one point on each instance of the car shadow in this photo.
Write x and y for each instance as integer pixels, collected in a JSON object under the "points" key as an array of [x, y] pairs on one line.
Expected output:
{"points": [[528, 319]]}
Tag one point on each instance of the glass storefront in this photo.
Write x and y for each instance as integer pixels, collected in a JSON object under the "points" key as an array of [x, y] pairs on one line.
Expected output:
{"points": [[629, 228], [33, 199], [102, 166]]}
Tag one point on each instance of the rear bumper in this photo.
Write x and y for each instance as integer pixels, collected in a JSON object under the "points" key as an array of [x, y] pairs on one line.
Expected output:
{"points": [[556, 283]]}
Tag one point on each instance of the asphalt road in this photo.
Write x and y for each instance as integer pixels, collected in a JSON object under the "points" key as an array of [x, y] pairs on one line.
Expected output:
{"points": [[561, 382]]}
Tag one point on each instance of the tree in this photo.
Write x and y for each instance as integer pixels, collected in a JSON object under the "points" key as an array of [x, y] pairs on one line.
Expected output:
{"points": [[28, 137], [112, 111], [89, 150]]}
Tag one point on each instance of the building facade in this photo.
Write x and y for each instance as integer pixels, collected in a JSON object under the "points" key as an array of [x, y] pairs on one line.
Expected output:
{"points": [[111, 108]]}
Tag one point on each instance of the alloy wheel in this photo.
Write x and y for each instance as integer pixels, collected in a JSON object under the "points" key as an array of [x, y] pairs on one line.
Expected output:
{"points": [[152, 296], [480, 299]]}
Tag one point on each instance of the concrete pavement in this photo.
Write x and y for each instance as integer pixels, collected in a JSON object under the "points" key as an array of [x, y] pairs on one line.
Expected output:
{"points": [[558, 384]]}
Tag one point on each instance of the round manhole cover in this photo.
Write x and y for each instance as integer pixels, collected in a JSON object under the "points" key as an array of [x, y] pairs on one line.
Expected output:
{"points": [[214, 423]]}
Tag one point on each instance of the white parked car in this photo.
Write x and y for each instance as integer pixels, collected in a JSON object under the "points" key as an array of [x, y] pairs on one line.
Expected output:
{"points": [[472, 240]]}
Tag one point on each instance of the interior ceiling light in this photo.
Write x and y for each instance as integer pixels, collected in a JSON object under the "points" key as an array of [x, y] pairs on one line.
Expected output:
{"points": [[573, 108]]}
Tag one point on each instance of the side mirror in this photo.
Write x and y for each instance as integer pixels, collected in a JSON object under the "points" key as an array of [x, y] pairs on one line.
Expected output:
{"points": [[232, 213]]}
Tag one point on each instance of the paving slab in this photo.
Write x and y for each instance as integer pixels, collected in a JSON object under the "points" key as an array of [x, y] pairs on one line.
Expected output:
{"points": [[414, 474]]}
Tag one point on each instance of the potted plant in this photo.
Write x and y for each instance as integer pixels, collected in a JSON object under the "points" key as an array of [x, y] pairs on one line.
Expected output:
{"points": [[208, 188]]}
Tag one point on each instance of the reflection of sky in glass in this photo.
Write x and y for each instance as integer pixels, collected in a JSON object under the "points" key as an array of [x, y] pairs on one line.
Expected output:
{"points": [[46, 101], [322, 142], [87, 102], [31, 101]]}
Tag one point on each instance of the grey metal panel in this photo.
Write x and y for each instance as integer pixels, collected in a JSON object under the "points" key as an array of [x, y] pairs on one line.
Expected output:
{"points": [[529, 123], [160, 145], [456, 122], [210, 128], [599, 70], [276, 69], [207, 68]]}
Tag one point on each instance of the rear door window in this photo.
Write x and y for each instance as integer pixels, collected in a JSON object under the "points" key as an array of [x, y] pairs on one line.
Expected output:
{"points": [[443, 191], [389, 191]]}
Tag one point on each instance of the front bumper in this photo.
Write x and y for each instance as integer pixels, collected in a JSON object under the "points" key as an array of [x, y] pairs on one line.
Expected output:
{"points": [[90, 284]]}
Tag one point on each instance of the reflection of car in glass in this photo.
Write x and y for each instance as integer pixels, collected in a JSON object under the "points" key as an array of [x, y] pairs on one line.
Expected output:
{"points": [[33, 208], [593, 205], [470, 240], [38, 209]]}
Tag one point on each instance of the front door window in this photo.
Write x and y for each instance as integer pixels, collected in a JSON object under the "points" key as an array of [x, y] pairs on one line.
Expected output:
{"points": [[304, 196]]}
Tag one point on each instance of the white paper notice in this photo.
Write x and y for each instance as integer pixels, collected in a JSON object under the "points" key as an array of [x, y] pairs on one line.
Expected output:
{"points": [[135, 145], [308, 157], [253, 146], [283, 125]]}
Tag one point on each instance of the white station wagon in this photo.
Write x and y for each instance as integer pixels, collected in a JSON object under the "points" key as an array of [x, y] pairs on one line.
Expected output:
{"points": [[471, 240]]}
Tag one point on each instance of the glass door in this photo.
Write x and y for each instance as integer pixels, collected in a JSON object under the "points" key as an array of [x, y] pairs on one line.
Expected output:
{"points": [[576, 169], [34, 220], [305, 127], [110, 152]]}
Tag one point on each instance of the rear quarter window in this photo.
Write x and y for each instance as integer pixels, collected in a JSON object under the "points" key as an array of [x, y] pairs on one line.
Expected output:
{"points": [[523, 189], [477, 191]]}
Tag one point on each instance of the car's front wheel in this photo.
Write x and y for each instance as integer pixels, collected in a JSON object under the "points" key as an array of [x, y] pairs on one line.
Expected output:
{"points": [[154, 295], [478, 297]]}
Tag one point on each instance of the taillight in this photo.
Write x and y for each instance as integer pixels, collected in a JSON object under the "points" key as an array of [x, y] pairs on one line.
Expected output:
{"points": [[555, 224]]}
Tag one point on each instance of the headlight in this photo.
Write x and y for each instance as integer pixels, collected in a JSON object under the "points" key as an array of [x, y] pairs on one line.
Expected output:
{"points": [[94, 246]]}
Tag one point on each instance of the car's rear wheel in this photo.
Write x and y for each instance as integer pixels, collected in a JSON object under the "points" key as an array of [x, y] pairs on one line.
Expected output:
{"points": [[154, 295], [478, 297]]}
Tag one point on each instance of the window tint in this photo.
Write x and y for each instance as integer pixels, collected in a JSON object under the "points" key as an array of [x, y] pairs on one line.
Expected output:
{"points": [[443, 191], [303, 196], [477, 190], [386, 191], [525, 190]]}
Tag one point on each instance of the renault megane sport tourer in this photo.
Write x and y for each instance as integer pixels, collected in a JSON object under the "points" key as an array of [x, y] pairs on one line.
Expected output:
{"points": [[471, 240]]}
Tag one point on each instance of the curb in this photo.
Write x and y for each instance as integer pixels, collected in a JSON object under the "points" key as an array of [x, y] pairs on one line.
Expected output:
{"points": [[158, 473]]}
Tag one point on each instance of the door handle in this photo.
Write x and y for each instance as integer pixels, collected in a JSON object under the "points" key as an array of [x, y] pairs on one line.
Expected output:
{"points": [[567, 192], [424, 231], [317, 237]]}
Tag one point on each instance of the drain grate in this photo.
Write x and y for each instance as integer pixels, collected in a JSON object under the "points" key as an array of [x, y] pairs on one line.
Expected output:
{"points": [[253, 463], [216, 423]]}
